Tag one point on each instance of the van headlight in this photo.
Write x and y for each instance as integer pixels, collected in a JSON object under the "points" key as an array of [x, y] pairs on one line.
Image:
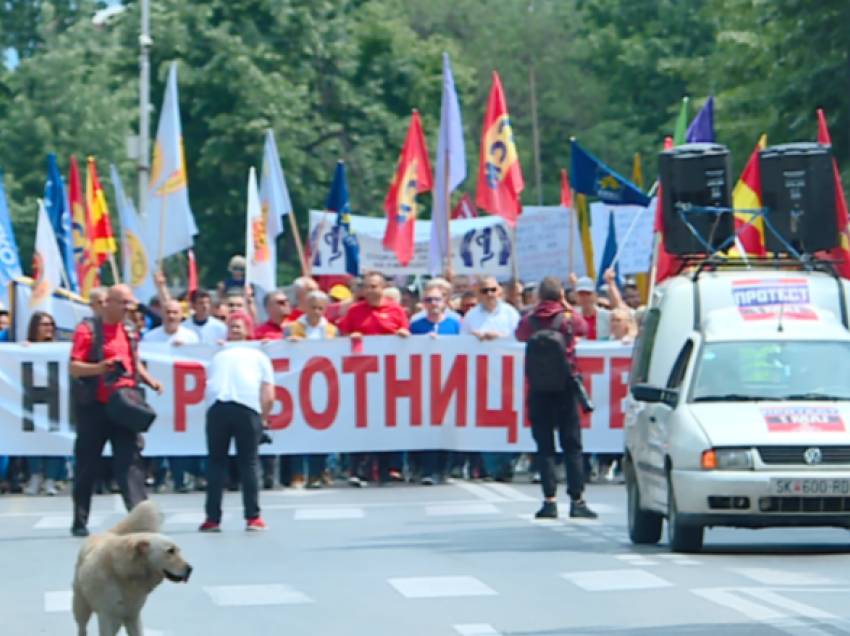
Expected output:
{"points": [[728, 459]]}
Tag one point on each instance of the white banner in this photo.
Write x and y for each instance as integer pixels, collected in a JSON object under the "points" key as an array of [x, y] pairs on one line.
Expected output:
{"points": [[480, 246], [395, 395], [635, 248]]}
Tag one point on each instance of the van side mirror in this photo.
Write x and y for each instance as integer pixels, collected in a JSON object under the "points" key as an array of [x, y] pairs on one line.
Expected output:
{"points": [[655, 395]]}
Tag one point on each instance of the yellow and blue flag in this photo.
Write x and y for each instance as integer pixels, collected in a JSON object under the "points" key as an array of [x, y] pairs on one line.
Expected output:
{"points": [[591, 177], [338, 202]]}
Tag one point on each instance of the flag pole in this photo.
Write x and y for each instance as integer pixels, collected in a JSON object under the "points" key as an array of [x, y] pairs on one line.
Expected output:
{"points": [[161, 229], [573, 226], [653, 269], [314, 249], [448, 246], [514, 255], [298, 245], [114, 267]]}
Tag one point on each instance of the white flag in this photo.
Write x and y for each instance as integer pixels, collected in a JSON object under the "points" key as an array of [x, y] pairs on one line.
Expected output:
{"points": [[47, 264], [274, 199], [168, 193], [260, 270], [138, 264]]}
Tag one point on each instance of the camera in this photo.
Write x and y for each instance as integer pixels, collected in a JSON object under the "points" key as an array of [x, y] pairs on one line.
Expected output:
{"points": [[117, 372], [265, 438]]}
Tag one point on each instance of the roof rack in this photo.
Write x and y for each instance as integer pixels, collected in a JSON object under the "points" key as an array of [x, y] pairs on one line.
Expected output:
{"points": [[716, 259]]}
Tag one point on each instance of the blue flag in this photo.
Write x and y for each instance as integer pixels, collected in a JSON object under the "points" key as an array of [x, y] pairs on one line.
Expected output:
{"points": [[59, 213], [10, 262], [591, 177], [338, 202], [609, 254], [701, 129]]}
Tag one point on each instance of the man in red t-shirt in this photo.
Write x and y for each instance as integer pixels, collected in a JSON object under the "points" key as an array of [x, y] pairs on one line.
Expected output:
{"points": [[94, 428], [278, 309], [374, 316]]}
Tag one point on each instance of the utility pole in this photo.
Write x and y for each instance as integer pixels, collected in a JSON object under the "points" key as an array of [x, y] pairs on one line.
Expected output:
{"points": [[534, 126], [145, 44]]}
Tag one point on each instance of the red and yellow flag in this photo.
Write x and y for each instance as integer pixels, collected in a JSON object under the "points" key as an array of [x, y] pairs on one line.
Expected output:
{"points": [[747, 196], [412, 177], [566, 193], [87, 267], [499, 176], [840, 254], [101, 227], [666, 265]]}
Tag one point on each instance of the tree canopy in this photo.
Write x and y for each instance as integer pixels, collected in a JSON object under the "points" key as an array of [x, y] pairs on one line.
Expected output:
{"points": [[337, 79]]}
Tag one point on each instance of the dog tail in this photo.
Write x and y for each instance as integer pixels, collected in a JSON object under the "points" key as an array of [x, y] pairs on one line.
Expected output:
{"points": [[143, 518]]}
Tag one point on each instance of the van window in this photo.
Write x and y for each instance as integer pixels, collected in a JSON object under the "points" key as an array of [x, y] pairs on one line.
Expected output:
{"points": [[681, 366], [642, 352]]}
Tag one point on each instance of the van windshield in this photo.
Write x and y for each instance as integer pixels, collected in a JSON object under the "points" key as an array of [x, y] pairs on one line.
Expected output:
{"points": [[788, 370]]}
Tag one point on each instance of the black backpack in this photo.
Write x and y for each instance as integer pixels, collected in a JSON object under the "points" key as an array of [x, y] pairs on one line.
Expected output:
{"points": [[547, 367]]}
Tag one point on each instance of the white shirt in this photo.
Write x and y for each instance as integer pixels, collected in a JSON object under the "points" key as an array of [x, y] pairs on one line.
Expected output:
{"points": [[235, 375], [159, 335], [319, 332], [210, 332], [503, 320]]}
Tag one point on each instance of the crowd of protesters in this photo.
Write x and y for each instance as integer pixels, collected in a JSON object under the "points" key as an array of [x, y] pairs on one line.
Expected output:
{"points": [[364, 306]]}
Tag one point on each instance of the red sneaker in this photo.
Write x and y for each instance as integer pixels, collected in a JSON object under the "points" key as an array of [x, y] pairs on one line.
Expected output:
{"points": [[256, 525], [210, 526]]}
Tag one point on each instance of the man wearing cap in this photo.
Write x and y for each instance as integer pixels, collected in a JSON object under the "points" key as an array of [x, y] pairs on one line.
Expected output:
{"points": [[341, 299], [598, 319]]}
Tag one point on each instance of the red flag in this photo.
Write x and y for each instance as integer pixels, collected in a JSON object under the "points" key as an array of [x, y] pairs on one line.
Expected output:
{"points": [[840, 254], [412, 177], [464, 209], [666, 265], [87, 268], [566, 194], [747, 196], [499, 176], [193, 272]]}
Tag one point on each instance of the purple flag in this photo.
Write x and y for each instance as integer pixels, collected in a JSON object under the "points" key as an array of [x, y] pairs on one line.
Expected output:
{"points": [[701, 129]]}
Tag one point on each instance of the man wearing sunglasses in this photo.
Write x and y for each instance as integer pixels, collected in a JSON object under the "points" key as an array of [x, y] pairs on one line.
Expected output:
{"points": [[278, 310], [492, 318], [436, 320]]}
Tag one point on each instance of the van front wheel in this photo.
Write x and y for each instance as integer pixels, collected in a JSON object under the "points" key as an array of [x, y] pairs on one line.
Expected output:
{"points": [[681, 537], [645, 527]]}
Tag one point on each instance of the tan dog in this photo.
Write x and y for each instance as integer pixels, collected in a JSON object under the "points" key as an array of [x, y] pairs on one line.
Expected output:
{"points": [[117, 570]]}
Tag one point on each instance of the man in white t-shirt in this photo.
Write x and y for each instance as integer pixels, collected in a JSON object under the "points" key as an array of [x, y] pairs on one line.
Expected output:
{"points": [[239, 397], [208, 329], [171, 331], [493, 317]]}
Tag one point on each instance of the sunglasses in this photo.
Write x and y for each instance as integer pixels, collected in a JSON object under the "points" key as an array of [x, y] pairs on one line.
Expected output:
{"points": [[283, 301], [237, 269], [432, 300], [48, 324], [489, 290]]}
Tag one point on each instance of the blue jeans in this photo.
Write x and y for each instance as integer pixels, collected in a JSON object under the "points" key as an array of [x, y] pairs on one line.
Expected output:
{"points": [[498, 465], [52, 467]]}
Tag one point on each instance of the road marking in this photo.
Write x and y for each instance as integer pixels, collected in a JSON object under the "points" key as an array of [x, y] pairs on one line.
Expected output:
{"points": [[477, 490], [118, 504], [451, 510], [751, 610], [790, 605], [441, 587], [296, 492], [58, 601], [784, 577], [322, 514], [243, 595], [192, 518], [611, 580], [476, 629], [509, 492]]}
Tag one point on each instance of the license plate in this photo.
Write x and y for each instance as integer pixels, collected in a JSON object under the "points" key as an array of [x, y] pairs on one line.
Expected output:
{"points": [[810, 487]]}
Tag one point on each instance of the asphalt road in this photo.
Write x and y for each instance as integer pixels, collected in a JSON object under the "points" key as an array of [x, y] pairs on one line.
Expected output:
{"points": [[407, 560]]}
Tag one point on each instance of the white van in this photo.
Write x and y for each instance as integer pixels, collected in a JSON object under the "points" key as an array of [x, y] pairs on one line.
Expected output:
{"points": [[739, 406]]}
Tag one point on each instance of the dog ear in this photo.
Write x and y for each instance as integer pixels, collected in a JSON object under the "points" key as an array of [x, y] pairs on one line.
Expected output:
{"points": [[143, 547]]}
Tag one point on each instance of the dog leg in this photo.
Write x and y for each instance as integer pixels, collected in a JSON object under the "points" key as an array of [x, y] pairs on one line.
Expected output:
{"points": [[109, 625], [82, 613], [134, 626]]}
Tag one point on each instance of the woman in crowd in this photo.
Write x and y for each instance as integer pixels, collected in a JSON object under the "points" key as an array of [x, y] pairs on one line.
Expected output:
{"points": [[313, 326], [44, 471], [623, 326]]}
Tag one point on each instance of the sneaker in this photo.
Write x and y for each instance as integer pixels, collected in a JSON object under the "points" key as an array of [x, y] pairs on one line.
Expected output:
{"points": [[356, 482], [298, 481], [536, 479], [315, 483], [548, 511], [210, 526], [79, 531], [268, 483], [395, 475], [428, 481], [50, 488], [256, 525], [34, 486], [579, 510]]}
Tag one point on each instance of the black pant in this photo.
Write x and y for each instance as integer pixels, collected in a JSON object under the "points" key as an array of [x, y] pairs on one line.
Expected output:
{"points": [[360, 465], [94, 429], [557, 411], [226, 421]]}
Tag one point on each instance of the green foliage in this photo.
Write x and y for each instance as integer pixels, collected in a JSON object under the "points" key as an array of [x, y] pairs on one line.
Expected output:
{"points": [[339, 78]]}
